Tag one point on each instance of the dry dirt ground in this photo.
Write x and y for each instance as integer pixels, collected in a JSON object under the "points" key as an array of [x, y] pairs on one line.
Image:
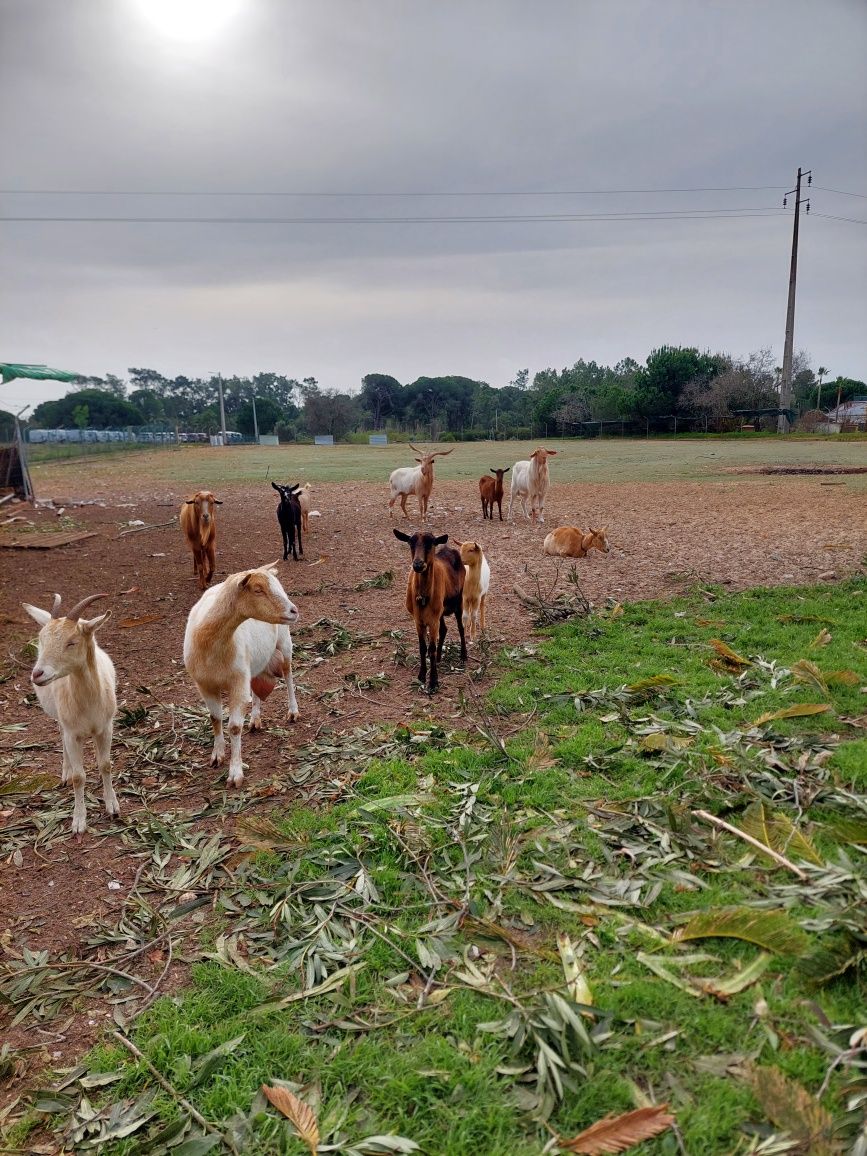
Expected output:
{"points": [[664, 536]]}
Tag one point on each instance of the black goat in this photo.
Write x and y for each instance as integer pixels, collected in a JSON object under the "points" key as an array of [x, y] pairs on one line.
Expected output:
{"points": [[289, 517]]}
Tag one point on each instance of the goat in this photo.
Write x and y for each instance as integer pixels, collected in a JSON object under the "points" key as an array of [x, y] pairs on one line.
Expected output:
{"points": [[237, 643], [530, 480], [304, 500], [491, 490], [75, 683], [570, 542], [435, 588], [290, 519], [416, 480], [476, 586], [198, 520]]}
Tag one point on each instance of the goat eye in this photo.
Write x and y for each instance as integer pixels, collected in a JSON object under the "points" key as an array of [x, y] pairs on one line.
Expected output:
{"points": [[70, 643]]}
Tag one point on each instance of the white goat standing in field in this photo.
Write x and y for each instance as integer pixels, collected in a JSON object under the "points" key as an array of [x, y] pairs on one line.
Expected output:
{"points": [[530, 480], [237, 643], [477, 583], [75, 683], [416, 480]]}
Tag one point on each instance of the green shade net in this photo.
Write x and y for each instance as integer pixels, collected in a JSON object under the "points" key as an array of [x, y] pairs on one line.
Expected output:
{"points": [[9, 372]]}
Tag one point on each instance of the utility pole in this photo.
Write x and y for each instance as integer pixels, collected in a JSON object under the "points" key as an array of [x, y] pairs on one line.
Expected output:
{"points": [[222, 409], [788, 348], [255, 422]]}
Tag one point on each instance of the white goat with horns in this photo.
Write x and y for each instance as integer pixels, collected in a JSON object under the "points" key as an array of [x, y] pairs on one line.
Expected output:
{"points": [[416, 480], [75, 683], [238, 643]]}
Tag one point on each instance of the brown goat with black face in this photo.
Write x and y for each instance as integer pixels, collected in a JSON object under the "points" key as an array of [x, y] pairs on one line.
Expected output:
{"points": [[198, 520], [435, 588], [491, 490]]}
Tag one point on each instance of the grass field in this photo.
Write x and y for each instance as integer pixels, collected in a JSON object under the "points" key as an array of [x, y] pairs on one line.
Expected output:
{"points": [[615, 460], [514, 921]]}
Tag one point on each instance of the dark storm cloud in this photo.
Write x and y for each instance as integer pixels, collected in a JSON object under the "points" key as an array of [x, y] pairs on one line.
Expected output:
{"points": [[421, 97]]}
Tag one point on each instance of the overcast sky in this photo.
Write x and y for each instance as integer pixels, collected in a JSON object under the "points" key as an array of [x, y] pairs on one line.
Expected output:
{"points": [[405, 96]]}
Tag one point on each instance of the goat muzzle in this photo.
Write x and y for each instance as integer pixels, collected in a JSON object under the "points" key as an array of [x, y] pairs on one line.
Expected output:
{"points": [[419, 567]]}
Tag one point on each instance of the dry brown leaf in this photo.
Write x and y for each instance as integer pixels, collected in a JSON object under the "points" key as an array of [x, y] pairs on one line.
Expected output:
{"points": [[617, 1133], [729, 657], [541, 758], [128, 623], [790, 1106], [299, 1114], [821, 639], [799, 710]]}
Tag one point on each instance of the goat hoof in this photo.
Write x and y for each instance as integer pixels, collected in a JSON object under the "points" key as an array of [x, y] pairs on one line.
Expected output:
{"points": [[255, 725], [292, 716], [236, 780]]}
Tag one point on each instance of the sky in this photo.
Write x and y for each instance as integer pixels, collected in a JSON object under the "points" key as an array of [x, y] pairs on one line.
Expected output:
{"points": [[479, 109]]}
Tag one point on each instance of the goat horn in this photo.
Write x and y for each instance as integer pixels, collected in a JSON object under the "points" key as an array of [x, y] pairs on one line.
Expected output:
{"points": [[417, 450], [55, 609], [74, 614]]}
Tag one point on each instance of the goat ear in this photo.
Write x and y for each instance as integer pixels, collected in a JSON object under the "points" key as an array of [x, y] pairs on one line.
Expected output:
{"points": [[89, 625], [40, 616], [493, 471], [506, 470], [441, 540], [189, 501], [276, 487], [245, 581], [217, 502], [400, 535]]}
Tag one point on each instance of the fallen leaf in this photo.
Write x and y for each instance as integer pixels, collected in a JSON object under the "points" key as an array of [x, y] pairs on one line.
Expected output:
{"points": [[799, 710], [773, 930], [141, 620], [299, 1114], [617, 1133], [132, 590], [778, 832], [729, 657], [790, 1106], [821, 639]]}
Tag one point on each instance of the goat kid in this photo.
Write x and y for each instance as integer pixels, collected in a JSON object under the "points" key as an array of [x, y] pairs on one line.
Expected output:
{"points": [[477, 583], [304, 501], [198, 519], [75, 683], [416, 480], [434, 589], [491, 490], [289, 515], [571, 542], [237, 643], [530, 479]]}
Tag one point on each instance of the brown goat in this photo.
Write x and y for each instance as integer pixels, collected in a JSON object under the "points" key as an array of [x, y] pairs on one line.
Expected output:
{"points": [[491, 490], [435, 588], [570, 542], [198, 520]]}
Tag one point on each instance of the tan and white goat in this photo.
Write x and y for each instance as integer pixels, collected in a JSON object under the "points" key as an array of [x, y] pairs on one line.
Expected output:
{"points": [[477, 583], [305, 499], [237, 643], [530, 479], [571, 542], [416, 480], [75, 683]]}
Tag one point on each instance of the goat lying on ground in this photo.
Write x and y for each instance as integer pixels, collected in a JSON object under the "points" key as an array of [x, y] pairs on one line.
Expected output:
{"points": [[237, 643], [290, 519], [570, 542], [530, 480], [434, 589], [75, 683], [476, 585], [491, 490], [198, 520], [416, 480]]}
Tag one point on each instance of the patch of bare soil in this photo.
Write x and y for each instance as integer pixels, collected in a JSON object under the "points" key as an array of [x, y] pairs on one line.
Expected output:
{"points": [[53, 893], [797, 470]]}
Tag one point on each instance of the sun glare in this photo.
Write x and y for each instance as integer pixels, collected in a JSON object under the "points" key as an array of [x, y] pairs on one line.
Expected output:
{"points": [[189, 19]]}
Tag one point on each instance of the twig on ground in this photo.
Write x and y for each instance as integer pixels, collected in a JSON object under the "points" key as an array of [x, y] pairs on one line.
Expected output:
{"points": [[781, 859], [138, 529], [174, 1093]]}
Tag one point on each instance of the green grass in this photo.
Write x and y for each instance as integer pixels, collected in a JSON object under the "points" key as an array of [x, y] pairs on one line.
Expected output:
{"points": [[597, 460], [577, 801]]}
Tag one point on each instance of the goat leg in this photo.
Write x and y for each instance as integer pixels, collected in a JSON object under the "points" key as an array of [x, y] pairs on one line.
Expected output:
{"points": [[102, 742], [460, 621], [215, 710], [79, 811], [422, 654]]}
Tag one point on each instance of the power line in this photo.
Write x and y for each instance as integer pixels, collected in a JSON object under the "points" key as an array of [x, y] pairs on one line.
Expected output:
{"points": [[842, 192], [554, 218], [829, 217], [441, 193]]}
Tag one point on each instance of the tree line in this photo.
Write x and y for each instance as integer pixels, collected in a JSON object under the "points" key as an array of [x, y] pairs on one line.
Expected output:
{"points": [[709, 390]]}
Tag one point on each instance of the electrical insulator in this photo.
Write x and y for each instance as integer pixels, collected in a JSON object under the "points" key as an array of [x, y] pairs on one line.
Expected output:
{"points": [[785, 202]]}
